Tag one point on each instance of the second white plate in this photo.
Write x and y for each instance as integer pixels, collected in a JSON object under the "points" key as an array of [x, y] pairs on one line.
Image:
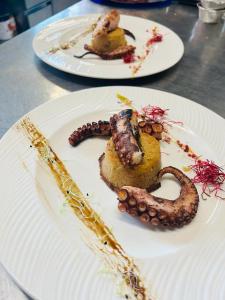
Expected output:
{"points": [[163, 55]]}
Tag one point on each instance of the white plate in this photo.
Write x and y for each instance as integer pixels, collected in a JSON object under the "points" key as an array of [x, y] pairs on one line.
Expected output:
{"points": [[40, 241], [163, 56]]}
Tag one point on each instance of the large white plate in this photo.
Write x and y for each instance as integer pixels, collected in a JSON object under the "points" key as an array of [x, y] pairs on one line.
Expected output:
{"points": [[163, 56], [40, 240]]}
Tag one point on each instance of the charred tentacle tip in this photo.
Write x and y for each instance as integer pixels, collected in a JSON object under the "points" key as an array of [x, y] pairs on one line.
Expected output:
{"points": [[158, 211]]}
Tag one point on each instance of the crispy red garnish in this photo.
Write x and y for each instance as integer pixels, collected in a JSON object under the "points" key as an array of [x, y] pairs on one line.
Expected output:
{"points": [[129, 58], [157, 115], [210, 175], [154, 113], [155, 39]]}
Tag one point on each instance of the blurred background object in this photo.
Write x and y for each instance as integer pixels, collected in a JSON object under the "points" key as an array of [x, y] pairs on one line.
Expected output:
{"points": [[188, 2], [135, 3], [211, 11], [28, 13], [7, 23]]}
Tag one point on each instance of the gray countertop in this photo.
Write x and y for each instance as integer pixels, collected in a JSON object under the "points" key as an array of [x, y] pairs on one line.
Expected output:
{"points": [[26, 82]]}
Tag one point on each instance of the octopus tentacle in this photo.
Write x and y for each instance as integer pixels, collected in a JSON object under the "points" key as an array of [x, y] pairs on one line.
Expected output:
{"points": [[120, 52], [125, 137], [154, 129], [101, 128], [159, 211]]}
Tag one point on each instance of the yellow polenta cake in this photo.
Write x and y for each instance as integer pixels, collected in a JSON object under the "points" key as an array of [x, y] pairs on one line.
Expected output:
{"points": [[143, 175]]}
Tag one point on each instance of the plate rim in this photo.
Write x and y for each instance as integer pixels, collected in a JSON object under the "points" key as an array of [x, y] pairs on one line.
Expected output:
{"points": [[110, 78], [107, 87]]}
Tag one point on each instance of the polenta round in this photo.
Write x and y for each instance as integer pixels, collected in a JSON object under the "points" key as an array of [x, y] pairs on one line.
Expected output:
{"points": [[143, 175], [110, 41]]}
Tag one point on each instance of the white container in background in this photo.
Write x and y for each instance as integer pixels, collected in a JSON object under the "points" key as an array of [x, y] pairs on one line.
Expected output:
{"points": [[7, 27], [207, 15]]}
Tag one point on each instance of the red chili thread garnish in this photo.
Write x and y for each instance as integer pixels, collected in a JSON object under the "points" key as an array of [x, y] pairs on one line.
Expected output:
{"points": [[158, 115], [129, 58], [154, 113], [210, 176]]}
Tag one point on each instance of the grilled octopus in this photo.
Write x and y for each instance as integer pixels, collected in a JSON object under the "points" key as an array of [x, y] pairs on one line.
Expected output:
{"points": [[120, 52], [103, 128], [124, 129], [158, 211], [106, 24]]}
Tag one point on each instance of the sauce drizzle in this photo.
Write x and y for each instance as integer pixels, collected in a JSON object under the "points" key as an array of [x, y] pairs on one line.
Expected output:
{"points": [[106, 243]]}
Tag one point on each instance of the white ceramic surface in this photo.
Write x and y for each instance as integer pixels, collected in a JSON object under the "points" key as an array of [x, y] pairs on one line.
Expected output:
{"points": [[163, 55], [40, 239]]}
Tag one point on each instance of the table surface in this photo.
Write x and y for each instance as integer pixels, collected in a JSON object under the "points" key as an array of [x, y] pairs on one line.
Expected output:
{"points": [[26, 82]]}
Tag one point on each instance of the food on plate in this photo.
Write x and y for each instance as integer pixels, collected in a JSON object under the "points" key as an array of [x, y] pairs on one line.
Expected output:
{"points": [[210, 176], [102, 128], [159, 211], [108, 39], [131, 167], [107, 23], [142, 175], [125, 136], [120, 52]]}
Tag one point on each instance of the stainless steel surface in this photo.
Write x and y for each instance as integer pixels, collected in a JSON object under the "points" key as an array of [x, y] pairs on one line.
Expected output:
{"points": [[208, 15], [26, 82], [39, 14], [59, 5]]}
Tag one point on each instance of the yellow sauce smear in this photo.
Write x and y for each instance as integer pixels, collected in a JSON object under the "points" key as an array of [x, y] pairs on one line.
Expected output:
{"points": [[114, 253], [125, 101]]}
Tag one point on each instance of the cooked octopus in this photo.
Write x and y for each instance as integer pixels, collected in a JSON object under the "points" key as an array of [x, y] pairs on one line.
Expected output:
{"points": [[103, 128], [124, 129], [108, 39], [107, 23], [153, 128], [120, 52], [159, 211]]}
